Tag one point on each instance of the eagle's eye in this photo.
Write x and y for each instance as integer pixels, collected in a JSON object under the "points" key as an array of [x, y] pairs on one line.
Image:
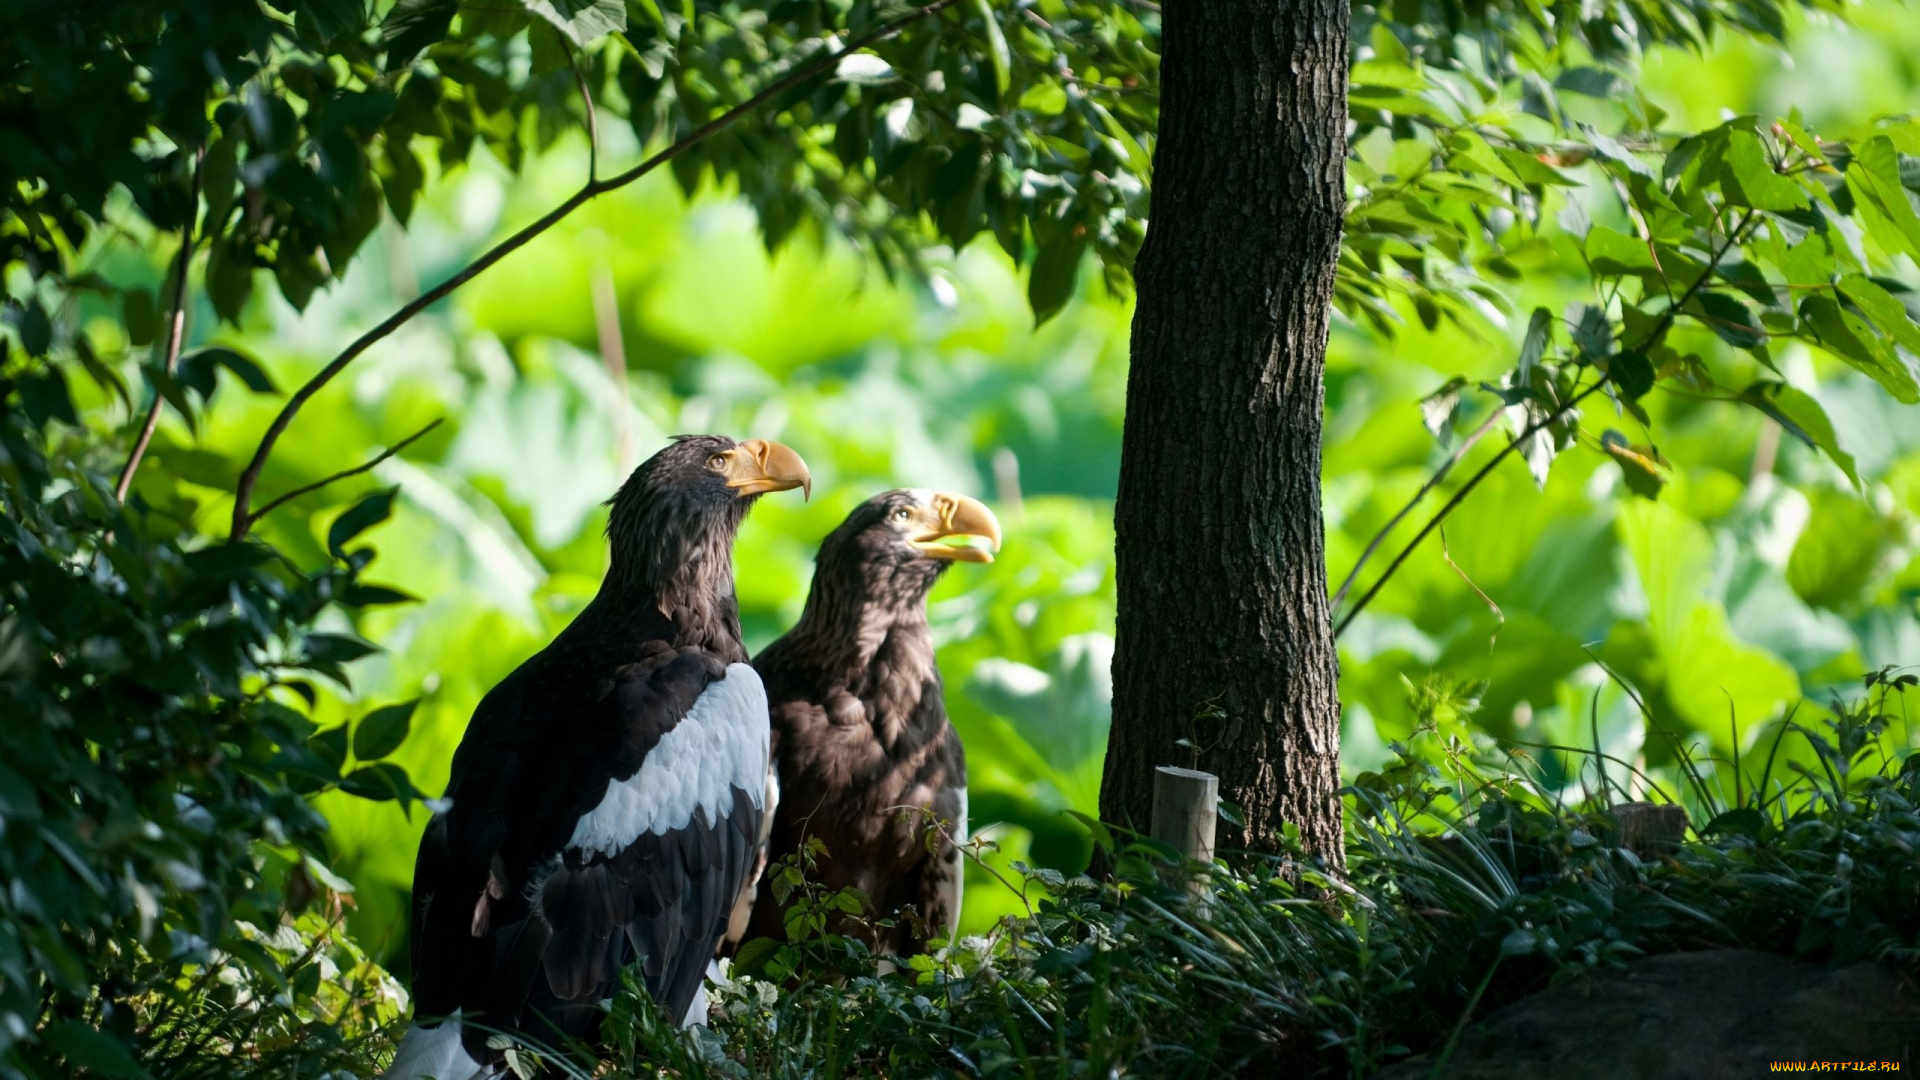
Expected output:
{"points": [[902, 514], [718, 462]]}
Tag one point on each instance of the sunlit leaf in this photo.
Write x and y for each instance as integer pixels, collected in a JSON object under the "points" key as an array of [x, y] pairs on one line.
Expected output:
{"points": [[1641, 467], [1751, 179], [1843, 334], [582, 21]]}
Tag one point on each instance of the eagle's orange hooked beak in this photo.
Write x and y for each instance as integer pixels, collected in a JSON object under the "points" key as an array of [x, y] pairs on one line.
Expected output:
{"points": [[758, 466], [946, 516]]}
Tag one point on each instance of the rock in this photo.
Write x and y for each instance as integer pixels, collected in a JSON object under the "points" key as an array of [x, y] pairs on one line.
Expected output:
{"points": [[1697, 1016]]}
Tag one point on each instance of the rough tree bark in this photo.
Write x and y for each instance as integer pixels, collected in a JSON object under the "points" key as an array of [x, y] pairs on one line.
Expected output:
{"points": [[1224, 632]]}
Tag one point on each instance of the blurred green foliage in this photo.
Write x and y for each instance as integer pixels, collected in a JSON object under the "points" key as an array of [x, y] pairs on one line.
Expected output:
{"points": [[1724, 530]]}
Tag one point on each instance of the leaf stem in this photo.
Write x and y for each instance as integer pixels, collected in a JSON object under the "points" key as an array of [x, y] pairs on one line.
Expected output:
{"points": [[176, 328], [243, 489]]}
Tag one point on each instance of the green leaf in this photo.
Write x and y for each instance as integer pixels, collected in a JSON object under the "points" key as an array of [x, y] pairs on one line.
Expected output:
{"points": [[336, 648], [383, 730], [582, 21], [1595, 82], [1874, 177], [753, 956], [1050, 285], [36, 330], [1844, 335], [1750, 179], [1809, 262], [1734, 321], [229, 280], [196, 370], [1387, 73], [1531, 169], [95, 1051], [358, 518], [375, 596], [1614, 253], [1534, 345], [1047, 98], [1631, 372], [1520, 943], [1440, 409], [864, 68], [1889, 314], [1712, 668], [1839, 552], [1744, 821], [996, 47], [1592, 331], [1640, 466], [492, 17], [44, 396], [330, 744], [1801, 417], [380, 783], [175, 394], [413, 25], [1611, 149], [136, 310]]}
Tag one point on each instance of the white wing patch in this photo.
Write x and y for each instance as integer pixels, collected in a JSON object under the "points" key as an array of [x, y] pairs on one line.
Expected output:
{"points": [[435, 1054], [721, 744], [956, 883]]}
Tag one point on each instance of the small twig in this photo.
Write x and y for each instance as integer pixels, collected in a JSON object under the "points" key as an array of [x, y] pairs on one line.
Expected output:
{"points": [[1432, 482], [343, 474], [613, 354], [243, 489], [176, 329], [1498, 615]]}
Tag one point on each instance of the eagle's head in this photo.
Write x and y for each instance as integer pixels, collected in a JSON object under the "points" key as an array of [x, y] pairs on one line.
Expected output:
{"points": [[680, 509], [898, 542]]}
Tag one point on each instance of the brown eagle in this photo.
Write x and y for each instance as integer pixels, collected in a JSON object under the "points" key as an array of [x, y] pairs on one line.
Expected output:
{"points": [[862, 749], [606, 799]]}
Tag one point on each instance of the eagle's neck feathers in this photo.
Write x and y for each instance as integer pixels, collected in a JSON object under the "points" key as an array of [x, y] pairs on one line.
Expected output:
{"points": [[676, 560], [852, 610]]}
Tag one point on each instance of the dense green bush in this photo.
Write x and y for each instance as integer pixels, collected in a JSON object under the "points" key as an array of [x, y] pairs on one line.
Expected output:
{"points": [[1468, 886], [155, 821]]}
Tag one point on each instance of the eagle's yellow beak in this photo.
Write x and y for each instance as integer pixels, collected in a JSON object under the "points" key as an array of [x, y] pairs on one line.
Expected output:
{"points": [[758, 466], [946, 516]]}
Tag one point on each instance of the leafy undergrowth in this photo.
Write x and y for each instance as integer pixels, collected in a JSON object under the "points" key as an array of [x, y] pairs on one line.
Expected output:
{"points": [[1464, 889]]}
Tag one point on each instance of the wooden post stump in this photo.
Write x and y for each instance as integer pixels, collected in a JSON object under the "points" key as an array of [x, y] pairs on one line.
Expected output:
{"points": [[1186, 804], [1649, 830]]}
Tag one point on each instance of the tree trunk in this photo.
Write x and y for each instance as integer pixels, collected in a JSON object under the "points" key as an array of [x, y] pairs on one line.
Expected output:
{"points": [[1224, 632]]}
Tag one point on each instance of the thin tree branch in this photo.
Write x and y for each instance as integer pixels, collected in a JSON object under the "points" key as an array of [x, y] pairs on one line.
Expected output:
{"points": [[593, 118], [243, 489], [1654, 335], [176, 328], [342, 474], [1459, 497], [1432, 482]]}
